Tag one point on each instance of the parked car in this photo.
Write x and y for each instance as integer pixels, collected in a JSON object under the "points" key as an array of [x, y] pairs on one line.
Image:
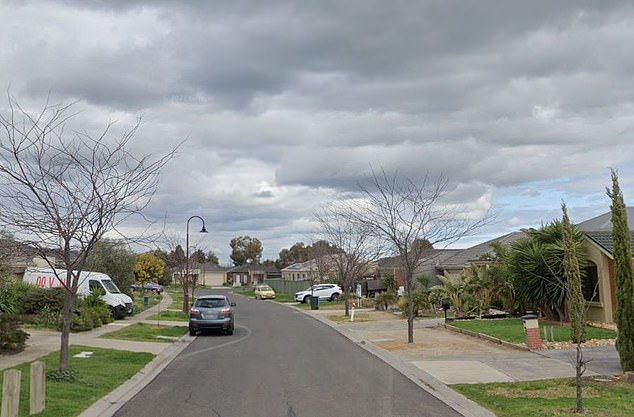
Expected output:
{"points": [[148, 286], [212, 312], [330, 292], [263, 292]]}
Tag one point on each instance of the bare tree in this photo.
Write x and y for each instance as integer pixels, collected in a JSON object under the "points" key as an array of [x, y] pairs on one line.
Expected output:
{"points": [[358, 247], [63, 191], [403, 212]]}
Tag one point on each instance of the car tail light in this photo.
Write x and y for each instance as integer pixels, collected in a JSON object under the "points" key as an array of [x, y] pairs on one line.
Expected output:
{"points": [[194, 311], [226, 311]]}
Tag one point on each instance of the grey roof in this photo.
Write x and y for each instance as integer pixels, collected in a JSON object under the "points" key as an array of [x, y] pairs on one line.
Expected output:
{"points": [[429, 257], [603, 222], [215, 268], [475, 253], [599, 229], [246, 268], [604, 239]]}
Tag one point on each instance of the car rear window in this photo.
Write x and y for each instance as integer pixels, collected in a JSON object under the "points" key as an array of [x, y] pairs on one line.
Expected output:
{"points": [[211, 303]]}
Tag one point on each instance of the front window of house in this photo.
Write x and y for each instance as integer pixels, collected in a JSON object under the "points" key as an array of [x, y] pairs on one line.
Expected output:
{"points": [[589, 283]]}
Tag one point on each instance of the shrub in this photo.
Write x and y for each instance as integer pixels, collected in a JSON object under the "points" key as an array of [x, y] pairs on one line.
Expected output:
{"points": [[90, 312], [384, 300], [421, 302], [12, 338], [47, 318], [35, 299], [10, 297]]}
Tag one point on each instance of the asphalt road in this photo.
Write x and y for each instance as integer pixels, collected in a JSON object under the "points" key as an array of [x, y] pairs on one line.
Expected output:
{"points": [[280, 362]]}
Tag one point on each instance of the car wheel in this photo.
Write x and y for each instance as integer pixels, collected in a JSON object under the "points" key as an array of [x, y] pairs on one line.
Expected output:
{"points": [[306, 299], [334, 297], [192, 332], [230, 331]]}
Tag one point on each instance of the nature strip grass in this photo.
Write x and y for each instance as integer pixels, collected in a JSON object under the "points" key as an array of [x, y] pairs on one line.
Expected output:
{"points": [[512, 330], [98, 375], [170, 316], [145, 332], [177, 299], [552, 398]]}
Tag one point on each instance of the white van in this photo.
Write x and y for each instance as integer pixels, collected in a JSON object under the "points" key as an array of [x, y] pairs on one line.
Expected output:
{"points": [[120, 304]]}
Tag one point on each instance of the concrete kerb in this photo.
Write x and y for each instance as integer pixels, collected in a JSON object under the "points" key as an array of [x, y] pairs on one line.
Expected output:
{"points": [[453, 399]]}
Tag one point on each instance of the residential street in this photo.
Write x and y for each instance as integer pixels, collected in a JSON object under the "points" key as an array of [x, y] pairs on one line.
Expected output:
{"points": [[280, 362]]}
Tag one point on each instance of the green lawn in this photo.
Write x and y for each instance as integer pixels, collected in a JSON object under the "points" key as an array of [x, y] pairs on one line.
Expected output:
{"points": [[98, 375], [170, 316], [147, 332], [153, 300], [284, 298], [177, 298], [552, 398], [512, 330]]}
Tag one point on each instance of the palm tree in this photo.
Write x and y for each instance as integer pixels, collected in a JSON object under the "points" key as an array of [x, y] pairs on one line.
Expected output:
{"points": [[536, 265]]}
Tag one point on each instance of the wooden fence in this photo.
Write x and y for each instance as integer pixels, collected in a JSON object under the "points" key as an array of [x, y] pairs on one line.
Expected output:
{"points": [[288, 287]]}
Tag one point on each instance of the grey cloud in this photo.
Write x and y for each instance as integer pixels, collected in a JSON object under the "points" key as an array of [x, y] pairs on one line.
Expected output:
{"points": [[285, 105]]}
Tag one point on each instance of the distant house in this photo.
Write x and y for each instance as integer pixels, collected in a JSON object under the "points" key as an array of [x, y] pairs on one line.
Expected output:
{"points": [[436, 262], [600, 272], [213, 275], [250, 274], [462, 259], [318, 269]]}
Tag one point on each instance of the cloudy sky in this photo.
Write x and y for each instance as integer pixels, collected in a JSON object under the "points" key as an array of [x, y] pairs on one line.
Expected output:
{"points": [[284, 106]]}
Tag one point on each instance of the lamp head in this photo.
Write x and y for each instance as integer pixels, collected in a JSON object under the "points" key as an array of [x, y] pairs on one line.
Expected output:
{"points": [[203, 230]]}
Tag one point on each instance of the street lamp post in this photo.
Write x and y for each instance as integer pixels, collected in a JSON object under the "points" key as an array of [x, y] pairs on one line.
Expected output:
{"points": [[185, 283]]}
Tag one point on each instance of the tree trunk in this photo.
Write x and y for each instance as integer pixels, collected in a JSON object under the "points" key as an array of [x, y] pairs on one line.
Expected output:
{"points": [[410, 311], [579, 372], [69, 303]]}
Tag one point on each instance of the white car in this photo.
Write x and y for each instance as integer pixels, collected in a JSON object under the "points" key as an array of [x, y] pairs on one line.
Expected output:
{"points": [[330, 292]]}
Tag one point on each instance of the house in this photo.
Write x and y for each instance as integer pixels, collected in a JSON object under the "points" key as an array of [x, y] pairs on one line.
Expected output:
{"points": [[461, 260], [436, 262], [600, 272], [317, 269], [250, 274], [300, 271], [213, 275]]}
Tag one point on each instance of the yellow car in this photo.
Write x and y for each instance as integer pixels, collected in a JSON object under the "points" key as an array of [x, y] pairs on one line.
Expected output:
{"points": [[263, 292]]}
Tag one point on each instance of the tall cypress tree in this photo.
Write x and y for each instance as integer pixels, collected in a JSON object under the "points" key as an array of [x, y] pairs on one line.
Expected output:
{"points": [[624, 281], [574, 300], [574, 295]]}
